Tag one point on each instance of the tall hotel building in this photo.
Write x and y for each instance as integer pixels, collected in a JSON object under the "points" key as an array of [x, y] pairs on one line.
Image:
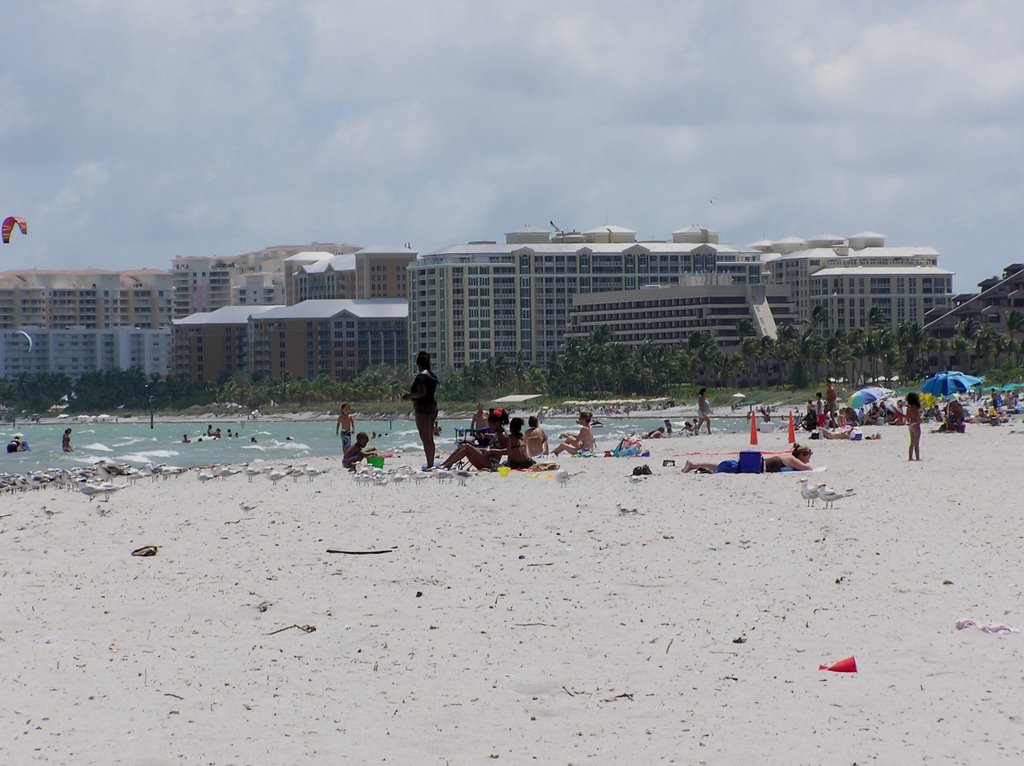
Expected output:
{"points": [[470, 302]]}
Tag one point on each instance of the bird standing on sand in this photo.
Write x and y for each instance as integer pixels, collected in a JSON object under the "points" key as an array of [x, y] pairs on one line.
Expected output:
{"points": [[831, 496], [809, 492]]}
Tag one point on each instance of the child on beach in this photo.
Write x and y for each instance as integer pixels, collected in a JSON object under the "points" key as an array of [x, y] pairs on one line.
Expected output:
{"points": [[703, 410], [913, 418], [345, 426], [356, 452]]}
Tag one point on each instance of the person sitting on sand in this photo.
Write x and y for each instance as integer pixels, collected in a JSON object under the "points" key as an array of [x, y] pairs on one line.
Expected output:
{"points": [[479, 420], [575, 443], [955, 417], [797, 460], [484, 458], [536, 439], [518, 453], [356, 452]]}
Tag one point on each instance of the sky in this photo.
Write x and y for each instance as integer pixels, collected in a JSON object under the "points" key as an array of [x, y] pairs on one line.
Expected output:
{"points": [[134, 132]]}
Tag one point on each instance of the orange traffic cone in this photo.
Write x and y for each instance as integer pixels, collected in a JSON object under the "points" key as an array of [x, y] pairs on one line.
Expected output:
{"points": [[792, 429], [753, 429], [849, 665]]}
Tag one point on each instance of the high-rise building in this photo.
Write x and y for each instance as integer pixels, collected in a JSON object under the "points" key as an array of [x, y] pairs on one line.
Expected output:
{"points": [[469, 302], [73, 351], [89, 298], [336, 338], [845, 278], [372, 272], [206, 283]]}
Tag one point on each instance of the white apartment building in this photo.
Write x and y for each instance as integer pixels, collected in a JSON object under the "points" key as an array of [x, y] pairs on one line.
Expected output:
{"points": [[470, 302], [73, 351], [800, 265]]}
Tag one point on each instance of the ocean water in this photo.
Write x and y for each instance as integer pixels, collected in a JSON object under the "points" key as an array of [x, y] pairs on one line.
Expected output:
{"points": [[137, 444]]}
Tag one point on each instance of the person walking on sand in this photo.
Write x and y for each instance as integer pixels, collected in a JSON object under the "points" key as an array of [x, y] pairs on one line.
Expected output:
{"points": [[422, 395], [913, 418], [703, 410], [345, 427], [65, 442]]}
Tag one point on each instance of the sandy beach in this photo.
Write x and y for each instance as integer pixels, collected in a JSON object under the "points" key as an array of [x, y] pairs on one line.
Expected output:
{"points": [[680, 619]]}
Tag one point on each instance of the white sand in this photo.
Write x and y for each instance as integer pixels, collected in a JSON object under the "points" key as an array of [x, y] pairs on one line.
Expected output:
{"points": [[552, 628]]}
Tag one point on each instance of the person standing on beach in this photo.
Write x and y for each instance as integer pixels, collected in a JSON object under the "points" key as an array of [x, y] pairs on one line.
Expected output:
{"points": [[65, 442], [422, 395], [345, 427], [830, 398], [703, 410], [913, 416]]}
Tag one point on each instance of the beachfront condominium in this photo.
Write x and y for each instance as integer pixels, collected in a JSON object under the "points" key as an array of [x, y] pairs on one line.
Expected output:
{"points": [[370, 272], [470, 302], [336, 338], [709, 303], [73, 351], [209, 282], [836, 282], [992, 305], [86, 298]]}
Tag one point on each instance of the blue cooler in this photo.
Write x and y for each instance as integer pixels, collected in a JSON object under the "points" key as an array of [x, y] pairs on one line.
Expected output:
{"points": [[751, 462]]}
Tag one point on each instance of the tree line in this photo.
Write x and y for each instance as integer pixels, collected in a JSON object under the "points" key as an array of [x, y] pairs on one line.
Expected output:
{"points": [[595, 367]]}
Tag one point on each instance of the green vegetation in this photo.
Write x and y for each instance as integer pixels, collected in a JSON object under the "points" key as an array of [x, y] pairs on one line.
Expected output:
{"points": [[595, 368]]}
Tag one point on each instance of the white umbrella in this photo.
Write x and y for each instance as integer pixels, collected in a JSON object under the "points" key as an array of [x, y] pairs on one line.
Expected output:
{"points": [[739, 396]]}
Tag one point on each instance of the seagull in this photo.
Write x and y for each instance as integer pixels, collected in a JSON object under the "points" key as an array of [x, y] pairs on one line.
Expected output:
{"points": [[562, 476], [419, 476], [205, 476], [442, 475], [91, 491], [276, 476], [225, 471], [398, 478], [251, 472], [809, 492], [462, 475], [831, 496], [246, 506], [634, 479], [312, 473]]}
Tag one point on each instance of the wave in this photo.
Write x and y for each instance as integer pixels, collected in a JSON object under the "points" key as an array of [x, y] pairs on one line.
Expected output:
{"points": [[97, 447]]}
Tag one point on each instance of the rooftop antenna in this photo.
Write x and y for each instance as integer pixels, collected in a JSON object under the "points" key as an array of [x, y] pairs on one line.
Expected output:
{"points": [[555, 227]]}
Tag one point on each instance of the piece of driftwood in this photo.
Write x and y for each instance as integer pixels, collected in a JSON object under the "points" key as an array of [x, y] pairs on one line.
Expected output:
{"points": [[362, 553], [303, 628]]}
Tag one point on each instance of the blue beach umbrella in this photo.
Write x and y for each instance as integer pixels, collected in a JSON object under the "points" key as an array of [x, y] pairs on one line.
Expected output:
{"points": [[869, 395], [949, 382]]}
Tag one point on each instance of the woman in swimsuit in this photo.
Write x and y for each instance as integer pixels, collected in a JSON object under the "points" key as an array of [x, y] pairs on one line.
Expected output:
{"points": [[484, 458], [518, 455], [797, 460]]}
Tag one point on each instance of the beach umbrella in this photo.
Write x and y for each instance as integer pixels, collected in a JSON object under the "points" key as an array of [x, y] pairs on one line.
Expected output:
{"points": [[739, 396], [949, 382], [869, 395]]}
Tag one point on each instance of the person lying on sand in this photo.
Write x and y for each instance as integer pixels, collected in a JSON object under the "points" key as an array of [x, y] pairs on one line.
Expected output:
{"points": [[797, 460]]}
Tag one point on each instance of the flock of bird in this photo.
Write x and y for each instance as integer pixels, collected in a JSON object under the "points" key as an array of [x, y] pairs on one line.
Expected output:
{"points": [[814, 492], [100, 479]]}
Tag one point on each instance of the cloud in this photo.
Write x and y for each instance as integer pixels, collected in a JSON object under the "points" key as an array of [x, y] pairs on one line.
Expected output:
{"points": [[206, 128]]}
